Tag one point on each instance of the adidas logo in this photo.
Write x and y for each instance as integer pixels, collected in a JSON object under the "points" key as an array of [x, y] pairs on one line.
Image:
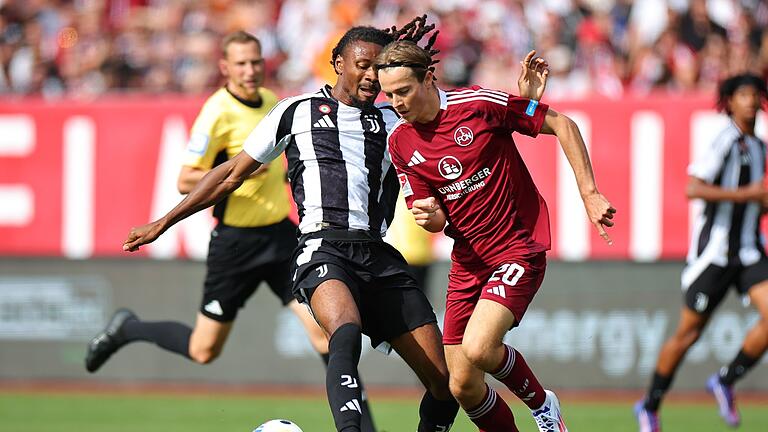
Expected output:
{"points": [[324, 122], [498, 290], [352, 405], [416, 158], [214, 307]]}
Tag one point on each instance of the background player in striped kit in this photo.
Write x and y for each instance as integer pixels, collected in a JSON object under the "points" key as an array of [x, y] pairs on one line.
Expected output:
{"points": [[345, 188], [458, 164], [726, 249], [253, 239]]}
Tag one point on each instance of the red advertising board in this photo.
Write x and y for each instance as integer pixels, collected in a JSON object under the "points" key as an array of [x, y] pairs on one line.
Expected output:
{"points": [[75, 176]]}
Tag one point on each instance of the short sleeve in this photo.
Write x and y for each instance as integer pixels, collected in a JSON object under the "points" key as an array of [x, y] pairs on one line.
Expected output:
{"points": [[207, 138], [524, 115], [270, 137], [506, 112], [708, 163]]}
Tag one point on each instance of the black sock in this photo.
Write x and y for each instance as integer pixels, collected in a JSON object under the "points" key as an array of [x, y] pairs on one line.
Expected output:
{"points": [[341, 380], [436, 415], [659, 386], [738, 367], [168, 335], [366, 421]]}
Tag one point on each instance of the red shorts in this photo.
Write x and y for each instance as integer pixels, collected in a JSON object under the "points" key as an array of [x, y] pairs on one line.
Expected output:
{"points": [[511, 282]]}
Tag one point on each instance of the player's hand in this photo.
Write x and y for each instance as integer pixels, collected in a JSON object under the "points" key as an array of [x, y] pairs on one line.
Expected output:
{"points": [[534, 72], [424, 210], [142, 235], [600, 213]]}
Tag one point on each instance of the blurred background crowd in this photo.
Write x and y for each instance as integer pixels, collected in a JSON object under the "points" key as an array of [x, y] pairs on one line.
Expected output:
{"points": [[85, 48]]}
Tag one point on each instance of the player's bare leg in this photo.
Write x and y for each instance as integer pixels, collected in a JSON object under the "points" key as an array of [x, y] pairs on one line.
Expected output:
{"points": [[720, 385], [422, 349], [688, 331], [483, 346], [208, 339], [756, 340], [336, 311]]}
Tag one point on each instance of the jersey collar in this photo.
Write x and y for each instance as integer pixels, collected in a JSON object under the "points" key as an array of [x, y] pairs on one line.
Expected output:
{"points": [[249, 104], [443, 99]]}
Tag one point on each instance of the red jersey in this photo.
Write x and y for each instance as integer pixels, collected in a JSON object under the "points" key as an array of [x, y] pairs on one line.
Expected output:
{"points": [[467, 159]]}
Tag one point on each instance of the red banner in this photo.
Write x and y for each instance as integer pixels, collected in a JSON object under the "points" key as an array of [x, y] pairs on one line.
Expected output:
{"points": [[75, 176]]}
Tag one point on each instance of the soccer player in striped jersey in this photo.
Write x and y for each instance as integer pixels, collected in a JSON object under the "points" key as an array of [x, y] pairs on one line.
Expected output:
{"points": [[253, 238], [345, 189], [458, 165], [727, 249]]}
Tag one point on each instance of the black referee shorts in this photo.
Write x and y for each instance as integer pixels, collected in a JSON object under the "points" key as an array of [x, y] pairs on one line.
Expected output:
{"points": [[387, 295], [239, 259], [709, 289]]}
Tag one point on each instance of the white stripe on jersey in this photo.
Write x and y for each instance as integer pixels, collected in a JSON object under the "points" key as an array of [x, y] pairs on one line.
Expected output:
{"points": [[476, 98], [313, 203], [468, 95], [493, 92], [353, 151]]}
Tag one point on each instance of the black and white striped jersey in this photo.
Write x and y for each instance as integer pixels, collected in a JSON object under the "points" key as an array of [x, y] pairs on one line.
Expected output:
{"points": [[727, 233], [340, 171]]}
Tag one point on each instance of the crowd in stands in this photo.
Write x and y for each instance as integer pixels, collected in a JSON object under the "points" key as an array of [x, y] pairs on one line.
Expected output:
{"points": [[85, 48]]}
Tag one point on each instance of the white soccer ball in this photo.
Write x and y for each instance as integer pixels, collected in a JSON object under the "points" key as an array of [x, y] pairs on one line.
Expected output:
{"points": [[278, 426]]}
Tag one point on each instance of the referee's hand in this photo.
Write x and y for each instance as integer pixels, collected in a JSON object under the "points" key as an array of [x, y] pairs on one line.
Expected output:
{"points": [[142, 235]]}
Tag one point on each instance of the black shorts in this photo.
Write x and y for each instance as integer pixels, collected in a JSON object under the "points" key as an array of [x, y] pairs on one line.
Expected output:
{"points": [[707, 291], [239, 259], [387, 295]]}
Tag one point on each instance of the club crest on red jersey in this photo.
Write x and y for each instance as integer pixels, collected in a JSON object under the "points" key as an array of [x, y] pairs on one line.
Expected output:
{"points": [[463, 136], [450, 168]]}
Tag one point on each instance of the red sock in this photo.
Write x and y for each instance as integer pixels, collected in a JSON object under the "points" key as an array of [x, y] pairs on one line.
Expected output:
{"points": [[518, 377], [493, 414]]}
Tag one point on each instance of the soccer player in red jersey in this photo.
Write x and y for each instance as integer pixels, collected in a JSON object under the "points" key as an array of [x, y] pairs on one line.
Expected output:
{"points": [[458, 166]]}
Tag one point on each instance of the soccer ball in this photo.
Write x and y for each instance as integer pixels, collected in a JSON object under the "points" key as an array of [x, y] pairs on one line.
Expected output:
{"points": [[278, 426]]}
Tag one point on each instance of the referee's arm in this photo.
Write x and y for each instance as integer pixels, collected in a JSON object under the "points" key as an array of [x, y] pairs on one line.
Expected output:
{"points": [[214, 186]]}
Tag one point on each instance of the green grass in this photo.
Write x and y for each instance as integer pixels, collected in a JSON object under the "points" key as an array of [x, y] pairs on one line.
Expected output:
{"points": [[77, 412]]}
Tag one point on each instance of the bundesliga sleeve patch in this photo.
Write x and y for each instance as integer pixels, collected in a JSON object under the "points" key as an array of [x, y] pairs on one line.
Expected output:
{"points": [[405, 185], [198, 143], [531, 110]]}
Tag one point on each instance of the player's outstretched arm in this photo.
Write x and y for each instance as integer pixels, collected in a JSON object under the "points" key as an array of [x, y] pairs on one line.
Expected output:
{"points": [[598, 208], [534, 72], [215, 185], [698, 188], [428, 214]]}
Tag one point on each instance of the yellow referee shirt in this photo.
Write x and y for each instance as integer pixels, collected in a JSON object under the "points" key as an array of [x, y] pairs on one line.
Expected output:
{"points": [[218, 135]]}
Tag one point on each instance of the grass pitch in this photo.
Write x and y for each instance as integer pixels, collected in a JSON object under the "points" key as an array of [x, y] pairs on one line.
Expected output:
{"points": [[83, 412]]}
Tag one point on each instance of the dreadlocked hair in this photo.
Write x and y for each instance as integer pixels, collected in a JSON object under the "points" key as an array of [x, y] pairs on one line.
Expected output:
{"points": [[729, 86], [405, 50], [413, 31]]}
